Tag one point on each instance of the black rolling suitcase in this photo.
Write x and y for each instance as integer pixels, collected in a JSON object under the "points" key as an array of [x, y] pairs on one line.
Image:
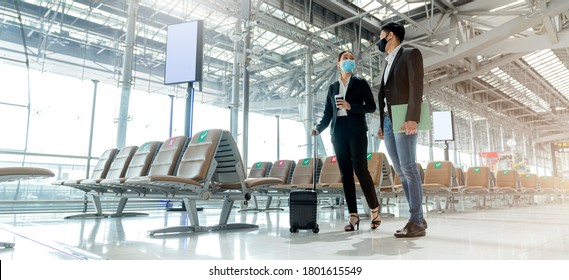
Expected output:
{"points": [[303, 204]]}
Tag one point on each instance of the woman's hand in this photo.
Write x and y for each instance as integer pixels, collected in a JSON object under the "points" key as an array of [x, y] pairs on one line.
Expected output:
{"points": [[343, 104], [380, 133]]}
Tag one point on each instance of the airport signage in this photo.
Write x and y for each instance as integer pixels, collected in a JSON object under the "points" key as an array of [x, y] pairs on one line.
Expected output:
{"points": [[562, 147]]}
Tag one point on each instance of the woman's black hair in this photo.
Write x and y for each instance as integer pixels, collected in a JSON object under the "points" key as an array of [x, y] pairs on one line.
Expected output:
{"points": [[342, 53]]}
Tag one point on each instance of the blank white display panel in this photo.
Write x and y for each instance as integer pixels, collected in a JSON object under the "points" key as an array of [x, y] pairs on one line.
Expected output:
{"points": [[443, 128], [184, 53]]}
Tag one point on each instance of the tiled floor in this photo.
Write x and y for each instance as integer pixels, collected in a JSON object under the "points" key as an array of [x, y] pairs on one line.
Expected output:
{"points": [[536, 232]]}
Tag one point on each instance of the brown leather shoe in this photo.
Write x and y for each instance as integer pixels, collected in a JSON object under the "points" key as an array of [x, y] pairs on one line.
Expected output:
{"points": [[411, 230], [424, 225]]}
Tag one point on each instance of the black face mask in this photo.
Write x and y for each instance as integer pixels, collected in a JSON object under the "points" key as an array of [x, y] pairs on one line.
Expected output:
{"points": [[382, 44]]}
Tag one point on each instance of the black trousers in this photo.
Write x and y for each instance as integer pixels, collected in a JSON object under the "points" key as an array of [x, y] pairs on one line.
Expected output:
{"points": [[351, 153]]}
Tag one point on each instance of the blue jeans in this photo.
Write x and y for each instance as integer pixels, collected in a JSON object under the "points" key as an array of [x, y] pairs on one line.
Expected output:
{"points": [[402, 150]]}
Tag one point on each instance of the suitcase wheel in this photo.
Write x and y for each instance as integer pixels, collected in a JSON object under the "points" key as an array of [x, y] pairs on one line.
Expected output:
{"points": [[293, 229], [316, 229]]}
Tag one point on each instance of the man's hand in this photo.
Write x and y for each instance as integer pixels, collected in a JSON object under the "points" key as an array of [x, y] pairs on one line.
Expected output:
{"points": [[410, 127], [314, 132]]}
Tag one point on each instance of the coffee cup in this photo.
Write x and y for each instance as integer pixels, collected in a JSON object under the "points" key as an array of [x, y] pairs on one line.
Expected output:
{"points": [[338, 97]]}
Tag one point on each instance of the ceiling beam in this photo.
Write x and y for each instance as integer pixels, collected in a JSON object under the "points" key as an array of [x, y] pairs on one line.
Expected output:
{"points": [[553, 138], [477, 44]]}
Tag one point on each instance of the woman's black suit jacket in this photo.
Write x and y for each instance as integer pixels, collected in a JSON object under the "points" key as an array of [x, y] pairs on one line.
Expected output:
{"points": [[361, 101]]}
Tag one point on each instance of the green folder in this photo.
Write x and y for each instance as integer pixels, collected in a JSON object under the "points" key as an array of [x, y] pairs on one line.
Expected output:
{"points": [[398, 113]]}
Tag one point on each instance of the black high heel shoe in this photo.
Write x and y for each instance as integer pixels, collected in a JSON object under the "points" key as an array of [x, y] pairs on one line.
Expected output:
{"points": [[355, 225], [375, 218]]}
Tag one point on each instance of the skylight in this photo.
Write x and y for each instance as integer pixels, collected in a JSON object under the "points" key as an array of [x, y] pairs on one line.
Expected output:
{"points": [[548, 65], [510, 86]]}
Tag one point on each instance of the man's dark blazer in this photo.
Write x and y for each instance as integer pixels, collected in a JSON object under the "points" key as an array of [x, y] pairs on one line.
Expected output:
{"points": [[404, 84], [360, 97]]}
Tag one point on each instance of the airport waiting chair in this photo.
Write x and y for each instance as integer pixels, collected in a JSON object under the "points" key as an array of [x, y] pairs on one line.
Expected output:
{"points": [[164, 162], [439, 179], [529, 184], [260, 169], [508, 185], [397, 180], [460, 181], [9, 174], [388, 180], [507, 182], [302, 175], [210, 168], [283, 170], [548, 186], [329, 175], [564, 187], [478, 180], [117, 169], [421, 172], [99, 172], [377, 165], [558, 185], [479, 184], [382, 177], [141, 162], [130, 162]]}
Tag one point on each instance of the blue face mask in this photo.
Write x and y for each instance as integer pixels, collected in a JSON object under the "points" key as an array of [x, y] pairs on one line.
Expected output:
{"points": [[348, 65]]}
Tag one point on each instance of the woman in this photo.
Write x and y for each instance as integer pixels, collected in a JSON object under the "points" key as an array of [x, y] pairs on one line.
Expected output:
{"points": [[347, 102]]}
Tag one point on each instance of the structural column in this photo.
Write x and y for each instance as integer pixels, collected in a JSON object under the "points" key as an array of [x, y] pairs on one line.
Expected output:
{"points": [[234, 119], [94, 106], [488, 137], [513, 147], [431, 153], [278, 137], [524, 147], [246, 46], [502, 145], [126, 82], [309, 102], [534, 149], [473, 159]]}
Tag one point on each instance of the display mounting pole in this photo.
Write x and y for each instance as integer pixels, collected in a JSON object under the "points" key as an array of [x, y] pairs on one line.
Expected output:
{"points": [[189, 110], [446, 150]]}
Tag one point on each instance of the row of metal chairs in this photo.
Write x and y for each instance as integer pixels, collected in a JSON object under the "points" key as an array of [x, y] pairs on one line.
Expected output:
{"points": [[483, 178], [440, 180], [207, 166], [299, 175], [509, 182]]}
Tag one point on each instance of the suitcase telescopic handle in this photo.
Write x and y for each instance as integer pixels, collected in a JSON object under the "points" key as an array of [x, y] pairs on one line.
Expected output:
{"points": [[315, 164]]}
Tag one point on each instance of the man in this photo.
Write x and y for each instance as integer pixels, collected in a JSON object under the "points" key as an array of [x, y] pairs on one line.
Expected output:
{"points": [[402, 83]]}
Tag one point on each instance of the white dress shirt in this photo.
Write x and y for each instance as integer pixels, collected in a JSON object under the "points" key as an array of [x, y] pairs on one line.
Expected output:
{"points": [[390, 57], [342, 91]]}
